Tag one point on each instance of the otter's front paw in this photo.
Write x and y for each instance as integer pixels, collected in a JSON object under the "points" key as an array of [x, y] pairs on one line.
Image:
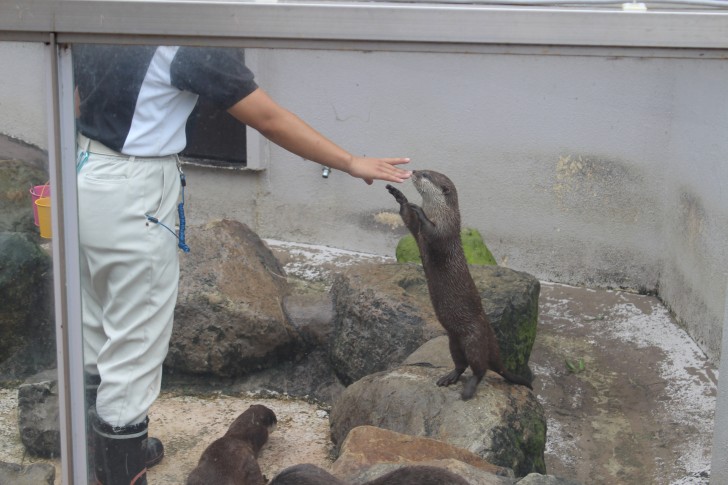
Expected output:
{"points": [[398, 196], [420, 214]]}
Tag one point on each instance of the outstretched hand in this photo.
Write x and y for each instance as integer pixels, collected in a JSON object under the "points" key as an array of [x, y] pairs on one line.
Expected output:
{"points": [[370, 169]]}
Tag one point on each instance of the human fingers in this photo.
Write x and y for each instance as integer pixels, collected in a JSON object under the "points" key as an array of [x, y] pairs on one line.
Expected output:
{"points": [[391, 172], [370, 169], [396, 161]]}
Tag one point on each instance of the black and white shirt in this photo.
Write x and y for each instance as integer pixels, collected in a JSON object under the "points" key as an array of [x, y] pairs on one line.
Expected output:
{"points": [[136, 99]]}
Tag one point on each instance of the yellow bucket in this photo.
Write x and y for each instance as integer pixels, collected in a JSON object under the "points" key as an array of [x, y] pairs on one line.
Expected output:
{"points": [[44, 216]]}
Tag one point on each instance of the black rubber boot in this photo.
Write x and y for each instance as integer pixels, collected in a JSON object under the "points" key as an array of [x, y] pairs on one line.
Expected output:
{"points": [[153, 448], [153, 451], [91, 387], [119, 453]]}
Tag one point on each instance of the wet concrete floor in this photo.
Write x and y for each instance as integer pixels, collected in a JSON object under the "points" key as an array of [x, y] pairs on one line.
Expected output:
{"points": [[628, 395]]}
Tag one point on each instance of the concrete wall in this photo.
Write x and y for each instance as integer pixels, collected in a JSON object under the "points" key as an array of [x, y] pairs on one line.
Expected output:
{"points": [[695, 203], [587, 167], [23, 90]]}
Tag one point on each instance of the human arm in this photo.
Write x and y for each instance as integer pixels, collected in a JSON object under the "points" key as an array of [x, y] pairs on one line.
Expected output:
{"points": [[260, 111], [76, 103]]}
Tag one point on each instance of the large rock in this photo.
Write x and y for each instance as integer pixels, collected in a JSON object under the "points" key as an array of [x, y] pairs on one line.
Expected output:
{"points": [[504, 423], [35, 474], [27, 332], [229, 319], [311, 314], [38, 419], [510, 299], [383, 312], [369, 452], [306, 375]]}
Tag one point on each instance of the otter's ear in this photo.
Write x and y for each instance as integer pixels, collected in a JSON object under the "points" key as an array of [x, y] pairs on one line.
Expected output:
{"points": [[445, 190]]}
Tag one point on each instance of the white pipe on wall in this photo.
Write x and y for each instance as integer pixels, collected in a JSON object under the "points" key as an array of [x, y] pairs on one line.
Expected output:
{"points": [[719, 464]]}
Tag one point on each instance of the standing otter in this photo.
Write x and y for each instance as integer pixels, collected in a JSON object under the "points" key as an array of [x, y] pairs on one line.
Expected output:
{"points": [[436, 228], [232, 459]]}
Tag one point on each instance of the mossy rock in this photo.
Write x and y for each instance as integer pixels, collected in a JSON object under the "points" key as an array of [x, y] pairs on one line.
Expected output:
{"points": [[476, 252], [407, 250], [27, 331]]}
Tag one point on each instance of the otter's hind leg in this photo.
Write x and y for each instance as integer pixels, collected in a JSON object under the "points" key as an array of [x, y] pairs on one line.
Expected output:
{"points": [[458, 358], [471, 386], [477, 354]]}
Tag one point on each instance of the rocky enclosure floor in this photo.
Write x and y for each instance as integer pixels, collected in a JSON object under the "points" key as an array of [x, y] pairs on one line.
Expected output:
{"points": [[628, 395]]}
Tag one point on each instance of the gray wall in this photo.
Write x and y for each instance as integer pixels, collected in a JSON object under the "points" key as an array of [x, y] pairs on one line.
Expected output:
{"points": [[589, 167], [23, 92]]}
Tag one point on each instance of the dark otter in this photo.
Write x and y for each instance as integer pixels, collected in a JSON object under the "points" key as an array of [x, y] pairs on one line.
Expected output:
{"points": [[436, 228], [305, 474], [419, 475], [308, 474], [232, 459]]}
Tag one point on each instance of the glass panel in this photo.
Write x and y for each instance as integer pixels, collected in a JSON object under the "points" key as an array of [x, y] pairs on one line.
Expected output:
{"points": [[129, 259], [29, 425]]}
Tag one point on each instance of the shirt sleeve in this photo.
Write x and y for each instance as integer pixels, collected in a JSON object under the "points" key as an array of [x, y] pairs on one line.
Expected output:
{"points": [[216, 73]]}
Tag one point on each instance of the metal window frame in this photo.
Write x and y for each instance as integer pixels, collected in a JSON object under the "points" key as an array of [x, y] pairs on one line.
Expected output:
{"points": [[429, 26], [286, 23]]}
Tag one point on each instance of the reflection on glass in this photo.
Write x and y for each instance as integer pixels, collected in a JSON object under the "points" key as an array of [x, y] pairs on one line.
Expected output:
{"points": [[29, 426], [133, 105]]}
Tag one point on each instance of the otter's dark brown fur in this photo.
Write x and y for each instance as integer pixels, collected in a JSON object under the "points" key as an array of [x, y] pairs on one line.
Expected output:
{"points": [[308, 474], [454, 296], [419, 475], [233, 458], [305, 474]]}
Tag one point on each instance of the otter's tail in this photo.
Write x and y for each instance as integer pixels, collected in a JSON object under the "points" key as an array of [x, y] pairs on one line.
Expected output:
{"points": [[514, 378]]}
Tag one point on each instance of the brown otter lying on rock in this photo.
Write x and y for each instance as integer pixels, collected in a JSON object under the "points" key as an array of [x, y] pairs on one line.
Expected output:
{"points": [[436, 228], [308, 474], [233, 458]]}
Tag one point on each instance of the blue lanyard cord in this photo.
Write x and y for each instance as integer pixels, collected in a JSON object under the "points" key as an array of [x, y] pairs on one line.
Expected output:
{"points": [[82, 159], [181, 212]]}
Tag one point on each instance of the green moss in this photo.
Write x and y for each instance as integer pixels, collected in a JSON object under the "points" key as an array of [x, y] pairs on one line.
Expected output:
{"points": [[520, 444], [534, 441], [476, 252], [407, 250], [525, 336]]}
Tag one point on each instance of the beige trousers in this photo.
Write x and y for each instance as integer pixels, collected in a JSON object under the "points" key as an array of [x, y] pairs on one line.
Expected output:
{"points": [[129, 275]]}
